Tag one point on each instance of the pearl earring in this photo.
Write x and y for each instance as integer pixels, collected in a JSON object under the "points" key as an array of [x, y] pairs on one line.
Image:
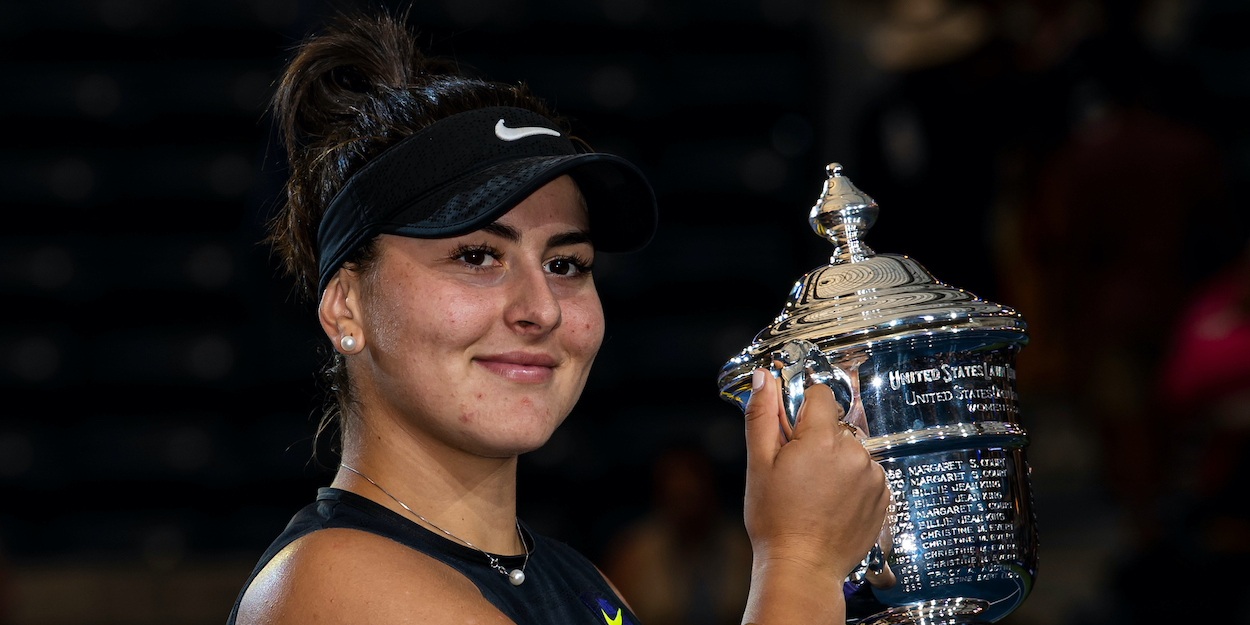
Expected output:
{"points": [[347, 343]]}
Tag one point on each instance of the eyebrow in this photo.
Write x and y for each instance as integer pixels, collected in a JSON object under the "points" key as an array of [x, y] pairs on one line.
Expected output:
{"points": [[573, 237], [504, 231]]}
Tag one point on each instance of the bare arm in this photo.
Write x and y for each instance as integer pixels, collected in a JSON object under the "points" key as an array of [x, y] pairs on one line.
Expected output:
{"points": [[346, 577], [814, 506]]}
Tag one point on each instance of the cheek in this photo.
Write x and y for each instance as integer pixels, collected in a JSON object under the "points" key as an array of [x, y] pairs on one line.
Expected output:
{"points": [[414, 325], [585, 321], [450, 318]]}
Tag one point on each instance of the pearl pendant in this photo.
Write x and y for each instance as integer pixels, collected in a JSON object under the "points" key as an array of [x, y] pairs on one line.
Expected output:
{"points": [[517, 577]]}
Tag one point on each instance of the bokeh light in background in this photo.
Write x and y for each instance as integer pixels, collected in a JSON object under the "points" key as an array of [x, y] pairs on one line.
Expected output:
{"points": [[1087, 162]]}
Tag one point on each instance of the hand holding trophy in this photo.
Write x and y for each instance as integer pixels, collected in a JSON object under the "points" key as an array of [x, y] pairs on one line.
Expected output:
{"points": [[923, 374]]}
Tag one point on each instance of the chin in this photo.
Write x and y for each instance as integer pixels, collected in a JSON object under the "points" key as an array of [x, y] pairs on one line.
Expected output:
{"points": [[509, 447], [516, 436]]}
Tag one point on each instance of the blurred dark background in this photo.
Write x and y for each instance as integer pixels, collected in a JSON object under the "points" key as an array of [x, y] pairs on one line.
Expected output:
{"points": [[1087, 162]]}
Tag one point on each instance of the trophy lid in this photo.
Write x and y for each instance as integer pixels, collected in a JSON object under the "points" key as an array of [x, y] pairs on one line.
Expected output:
{"points": [[862, 299]]}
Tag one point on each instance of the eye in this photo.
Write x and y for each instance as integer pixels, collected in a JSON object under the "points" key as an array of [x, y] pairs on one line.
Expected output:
{"points": [[568, 266], [477, 256]]}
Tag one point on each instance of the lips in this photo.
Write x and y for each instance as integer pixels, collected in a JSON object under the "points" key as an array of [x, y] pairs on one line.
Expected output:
{"points": [[519, 366]]}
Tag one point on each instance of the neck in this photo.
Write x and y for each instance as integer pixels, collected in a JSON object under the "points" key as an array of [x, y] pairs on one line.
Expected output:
{"points": [[471, 497]]}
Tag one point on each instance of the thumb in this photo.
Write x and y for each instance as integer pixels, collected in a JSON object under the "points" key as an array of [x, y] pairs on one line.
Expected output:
{"points": [[763, 416]]}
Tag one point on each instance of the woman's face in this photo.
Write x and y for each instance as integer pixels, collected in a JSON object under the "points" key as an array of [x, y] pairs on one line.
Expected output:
{"points": [[483, 342]]}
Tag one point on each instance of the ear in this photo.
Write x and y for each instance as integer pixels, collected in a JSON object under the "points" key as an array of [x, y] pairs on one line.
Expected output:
{"points": [[340, 313]]}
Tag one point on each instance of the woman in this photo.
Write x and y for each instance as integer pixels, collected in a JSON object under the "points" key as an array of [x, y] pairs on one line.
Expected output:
{"points": [[448, 227]]}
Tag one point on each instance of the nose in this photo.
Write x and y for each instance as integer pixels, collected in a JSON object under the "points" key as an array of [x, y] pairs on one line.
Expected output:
{"points": [[533, 308]]}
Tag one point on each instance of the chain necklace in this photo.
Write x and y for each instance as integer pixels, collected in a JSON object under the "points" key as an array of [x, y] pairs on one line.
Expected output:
{"points": [[516, 576]]}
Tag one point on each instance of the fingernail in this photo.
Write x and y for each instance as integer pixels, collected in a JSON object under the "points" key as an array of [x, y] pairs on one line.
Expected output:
{"points": [[757, 380]]}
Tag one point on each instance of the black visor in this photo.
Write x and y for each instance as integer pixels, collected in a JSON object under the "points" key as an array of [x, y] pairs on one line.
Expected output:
{"points": [[465, 171]]}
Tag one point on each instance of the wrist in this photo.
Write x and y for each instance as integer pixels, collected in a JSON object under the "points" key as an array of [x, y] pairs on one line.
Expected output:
{"points": [[792, 590], [813, 559], [819, 572]]}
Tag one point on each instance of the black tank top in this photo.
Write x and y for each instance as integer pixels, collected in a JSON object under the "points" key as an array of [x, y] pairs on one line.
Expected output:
{"points": [[561, 587]]}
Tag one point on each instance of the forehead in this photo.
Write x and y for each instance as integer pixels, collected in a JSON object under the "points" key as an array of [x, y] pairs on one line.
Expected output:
{"points": [[557, 205]]}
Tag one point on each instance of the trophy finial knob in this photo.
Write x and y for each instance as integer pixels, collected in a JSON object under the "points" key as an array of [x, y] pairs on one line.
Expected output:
{"points": [[842, 215]]}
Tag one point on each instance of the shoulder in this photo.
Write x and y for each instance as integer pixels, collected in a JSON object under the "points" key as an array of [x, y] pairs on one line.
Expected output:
{"points": [[349, 576]]}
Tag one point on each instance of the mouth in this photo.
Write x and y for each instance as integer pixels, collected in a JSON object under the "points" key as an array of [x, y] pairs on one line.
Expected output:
{"points": [[519, 366]]}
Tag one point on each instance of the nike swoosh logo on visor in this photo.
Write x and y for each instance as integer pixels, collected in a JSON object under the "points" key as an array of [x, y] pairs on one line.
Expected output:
{"points": [[512, 134]]}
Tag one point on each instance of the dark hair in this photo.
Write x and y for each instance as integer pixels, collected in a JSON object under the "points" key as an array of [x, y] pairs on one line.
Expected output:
{"points": [[350, 92]]}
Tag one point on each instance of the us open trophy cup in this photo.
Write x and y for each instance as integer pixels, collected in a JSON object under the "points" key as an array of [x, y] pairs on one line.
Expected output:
{"points": [[925, 372]]}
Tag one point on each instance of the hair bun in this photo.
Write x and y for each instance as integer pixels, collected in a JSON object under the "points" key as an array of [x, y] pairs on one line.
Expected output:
{"points": [[354, 62]]}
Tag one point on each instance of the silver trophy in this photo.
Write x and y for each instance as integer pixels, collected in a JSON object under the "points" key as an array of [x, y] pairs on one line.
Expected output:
{"points": [[925, 372]]}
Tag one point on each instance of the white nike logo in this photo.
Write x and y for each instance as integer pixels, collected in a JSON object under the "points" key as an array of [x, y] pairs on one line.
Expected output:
{"points": [[512, 134]]}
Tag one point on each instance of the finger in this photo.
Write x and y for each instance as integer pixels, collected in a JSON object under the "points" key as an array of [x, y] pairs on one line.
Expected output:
{"points": [[787, 428], [783, 418], [763, 437], [819, 411], [787, 431]]}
